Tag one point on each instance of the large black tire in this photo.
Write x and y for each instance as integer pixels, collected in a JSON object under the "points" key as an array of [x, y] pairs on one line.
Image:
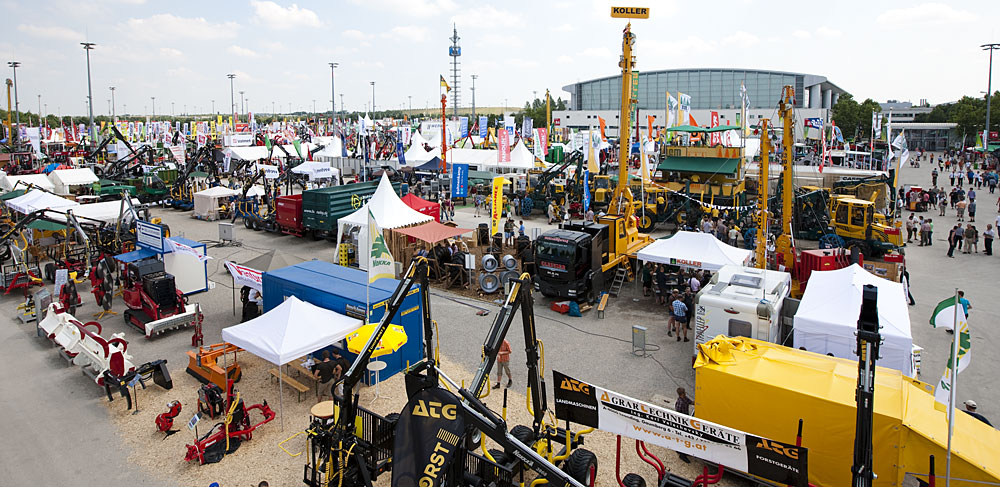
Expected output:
{"points": [[498, 456], [523, 434], [862, 247], [647, 223], [633, 480], [582, 466], [247, 223]]}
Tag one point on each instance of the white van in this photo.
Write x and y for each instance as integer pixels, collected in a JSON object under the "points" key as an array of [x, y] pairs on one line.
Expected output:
{"points": [[741, 301]]}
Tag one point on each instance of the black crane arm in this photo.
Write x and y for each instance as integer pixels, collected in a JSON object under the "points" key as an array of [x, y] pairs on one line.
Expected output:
{"points": [[519, 297], [415, 275]]}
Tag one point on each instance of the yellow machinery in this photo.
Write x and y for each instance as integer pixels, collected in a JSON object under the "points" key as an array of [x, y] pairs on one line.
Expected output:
{"points": [[625, 239], [761, 217], [764, 388], [784, 246], [854, 220]]}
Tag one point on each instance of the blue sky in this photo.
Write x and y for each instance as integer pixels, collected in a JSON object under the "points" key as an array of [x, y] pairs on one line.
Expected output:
{"points": [[181, 51]]}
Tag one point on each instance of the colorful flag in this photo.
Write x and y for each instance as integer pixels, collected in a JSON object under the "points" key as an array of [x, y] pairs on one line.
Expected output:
{"points": [[942, 393], [503, 144], [603, 125], [380, 261], [527, 127], [649, 125], [671, 111], [684, 102], [444, 84], [496, 204], [714, 136]]}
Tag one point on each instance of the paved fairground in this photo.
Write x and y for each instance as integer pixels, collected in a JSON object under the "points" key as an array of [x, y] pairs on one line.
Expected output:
{"points": [[57, 430]]}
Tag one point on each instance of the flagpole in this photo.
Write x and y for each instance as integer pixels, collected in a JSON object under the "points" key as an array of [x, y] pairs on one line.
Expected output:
{"points": [[953, 369]]}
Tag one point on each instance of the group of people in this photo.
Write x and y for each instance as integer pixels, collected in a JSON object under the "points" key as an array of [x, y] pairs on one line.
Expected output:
{"points": [[680, 304], [331, 369], [723, 229], [969, 236]]}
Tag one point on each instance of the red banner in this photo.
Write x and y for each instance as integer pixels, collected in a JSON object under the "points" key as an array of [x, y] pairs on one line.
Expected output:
{"points": [[543, 135], [715, 138], [503, 143]]}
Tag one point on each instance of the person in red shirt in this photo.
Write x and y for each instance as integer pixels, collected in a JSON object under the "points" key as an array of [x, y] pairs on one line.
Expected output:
{"points": [[503, 364]]}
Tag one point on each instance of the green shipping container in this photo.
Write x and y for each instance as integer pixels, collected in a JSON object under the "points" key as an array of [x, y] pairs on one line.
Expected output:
{"points": [[322, 207], [555, 155]]}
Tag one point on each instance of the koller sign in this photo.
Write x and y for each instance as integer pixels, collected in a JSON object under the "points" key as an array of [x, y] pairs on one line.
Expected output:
{"points": [[630, 12], [589, 405]]}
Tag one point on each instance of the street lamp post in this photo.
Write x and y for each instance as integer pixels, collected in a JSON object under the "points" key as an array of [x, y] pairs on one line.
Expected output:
{"points": [[89, 46], [341, 102], [171, 109], [410, 97], [474, 95], [989, 93], [113, 114], [17, 110], [232, 94], [213, 106], [39, 109], [373, 98], [153, 100], [333, 88], [243, 106]]}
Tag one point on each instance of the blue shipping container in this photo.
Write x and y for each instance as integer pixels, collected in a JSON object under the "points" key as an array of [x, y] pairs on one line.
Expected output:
{"points": [[342, 289]]}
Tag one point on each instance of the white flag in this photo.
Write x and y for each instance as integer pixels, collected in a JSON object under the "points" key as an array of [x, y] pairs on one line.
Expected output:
{"points": [[671, 110], [942, 393], [380, 261]]}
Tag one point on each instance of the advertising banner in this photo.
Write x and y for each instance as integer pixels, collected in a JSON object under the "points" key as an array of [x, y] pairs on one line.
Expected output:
{"points": [[503, 143], [463, 126], [427, 437], [179, 155], [149, 235], [586, 190], [496, 204], [245, 276], [180, 248], [589, 405], [270, 172], [459, 180], [400, 153], [484, 125], [715, 136]]}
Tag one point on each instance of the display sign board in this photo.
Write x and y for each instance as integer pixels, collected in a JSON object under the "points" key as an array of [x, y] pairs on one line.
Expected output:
{"points": [[238, 140], [630, 12], [62, 277], [589, 405], [194, 421], [459, 180], [149, 236]]}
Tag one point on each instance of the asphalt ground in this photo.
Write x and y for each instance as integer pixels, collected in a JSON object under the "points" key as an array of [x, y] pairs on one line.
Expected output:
{"points": [[57, 430]]}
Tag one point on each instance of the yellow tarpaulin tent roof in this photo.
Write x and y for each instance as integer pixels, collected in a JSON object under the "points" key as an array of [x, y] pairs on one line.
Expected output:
{"points": [[764, 389]]}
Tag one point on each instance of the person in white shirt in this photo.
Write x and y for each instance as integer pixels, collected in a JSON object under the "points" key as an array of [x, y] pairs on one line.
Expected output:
{"points": [[694, 283]]}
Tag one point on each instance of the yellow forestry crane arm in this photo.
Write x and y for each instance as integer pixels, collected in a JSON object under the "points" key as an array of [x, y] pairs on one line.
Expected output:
{"points": [[784, 243], [624, 237], [760, 250]]}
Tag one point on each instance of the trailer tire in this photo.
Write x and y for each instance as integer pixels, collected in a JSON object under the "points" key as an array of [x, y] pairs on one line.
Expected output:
{"points": [[523, 434], [633, 480], [498, 456], [247, 224], [646, 223], [582, 466]]}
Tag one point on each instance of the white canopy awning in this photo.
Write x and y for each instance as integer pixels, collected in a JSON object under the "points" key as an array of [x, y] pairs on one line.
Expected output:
{"points": [[7, 182], [317, 170], [206, 201], [827, 317], [35, 200], [694, 249], [389, 212], [293, 329], [73, 177], [105, 211]]}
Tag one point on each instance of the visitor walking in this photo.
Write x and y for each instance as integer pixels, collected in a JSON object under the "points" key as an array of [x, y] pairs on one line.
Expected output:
{"points": [[971, 209], [988, 236], [503, 364], [911, 228], [954, 239]]}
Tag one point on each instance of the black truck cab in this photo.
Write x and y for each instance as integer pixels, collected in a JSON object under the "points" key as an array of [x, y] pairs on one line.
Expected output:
{"points": [[568, 260]]}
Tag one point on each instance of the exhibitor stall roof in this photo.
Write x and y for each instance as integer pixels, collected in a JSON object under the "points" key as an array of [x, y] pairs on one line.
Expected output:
{"points": [[292, 329], [432, 232], [694, 249], [714, 165], [827, 318]]}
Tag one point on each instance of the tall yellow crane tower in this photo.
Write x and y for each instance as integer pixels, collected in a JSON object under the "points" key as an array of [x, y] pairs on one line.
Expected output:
{"points": [[784, 244], [761, 218]]}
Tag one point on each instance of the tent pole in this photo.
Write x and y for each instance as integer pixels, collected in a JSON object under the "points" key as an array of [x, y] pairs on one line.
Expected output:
{"points": [[234, 293], [281, 399]]}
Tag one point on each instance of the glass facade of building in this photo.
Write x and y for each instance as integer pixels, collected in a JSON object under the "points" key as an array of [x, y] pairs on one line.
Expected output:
{"points": [[709, 89]]}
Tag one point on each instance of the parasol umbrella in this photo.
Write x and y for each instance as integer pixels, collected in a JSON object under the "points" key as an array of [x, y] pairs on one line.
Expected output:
{"points": [[392, 340]]}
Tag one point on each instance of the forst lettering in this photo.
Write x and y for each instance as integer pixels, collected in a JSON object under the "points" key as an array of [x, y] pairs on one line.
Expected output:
{"points": [[433, 467]]}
